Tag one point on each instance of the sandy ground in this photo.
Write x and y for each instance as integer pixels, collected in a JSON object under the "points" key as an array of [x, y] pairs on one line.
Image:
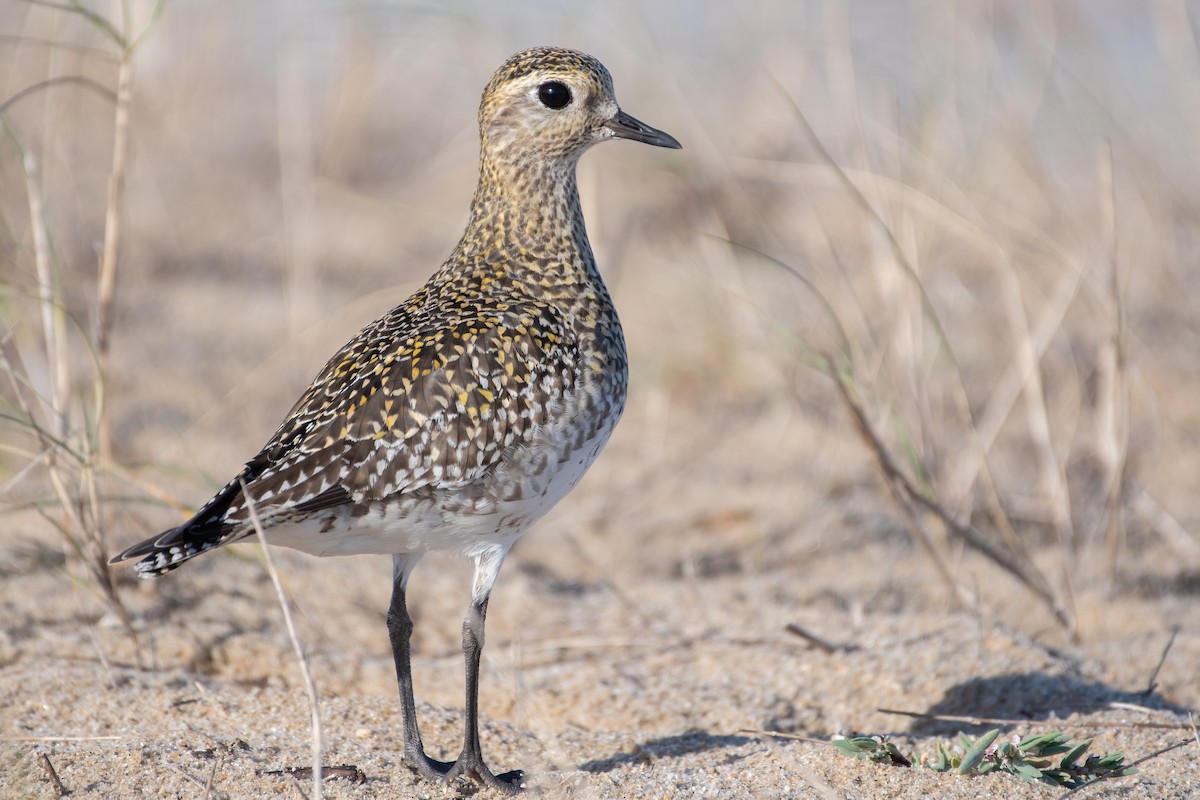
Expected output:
{"points": [[607, 674], [638, 642]]}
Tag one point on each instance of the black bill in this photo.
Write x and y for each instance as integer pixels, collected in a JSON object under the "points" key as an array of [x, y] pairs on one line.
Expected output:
{"points": [[626, 127]]}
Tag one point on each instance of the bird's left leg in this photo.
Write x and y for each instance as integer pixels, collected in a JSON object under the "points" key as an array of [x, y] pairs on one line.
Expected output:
{"points": [[470, 761]]}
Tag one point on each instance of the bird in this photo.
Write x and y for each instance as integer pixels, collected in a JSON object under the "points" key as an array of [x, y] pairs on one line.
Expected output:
{"points": [[461, 416]]}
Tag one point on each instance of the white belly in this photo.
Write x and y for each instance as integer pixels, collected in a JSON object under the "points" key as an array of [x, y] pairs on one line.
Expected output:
{"points": [[466, 520]]}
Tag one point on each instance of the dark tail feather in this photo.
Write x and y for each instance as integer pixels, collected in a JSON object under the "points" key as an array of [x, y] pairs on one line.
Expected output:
{"points": [[166, 552], [207, 530]]}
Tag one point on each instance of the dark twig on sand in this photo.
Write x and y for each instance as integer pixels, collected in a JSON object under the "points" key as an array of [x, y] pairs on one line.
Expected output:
{"points": [[347, 771], [1152, 684], [818, 642], [59, 789]]}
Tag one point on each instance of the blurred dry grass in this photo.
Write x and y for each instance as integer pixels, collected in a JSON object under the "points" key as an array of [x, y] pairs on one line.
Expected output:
{"points": [[1009, 285]]}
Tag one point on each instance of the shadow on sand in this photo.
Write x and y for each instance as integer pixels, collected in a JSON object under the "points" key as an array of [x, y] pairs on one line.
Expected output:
{"points": [[665, 747], [1027, 696]]}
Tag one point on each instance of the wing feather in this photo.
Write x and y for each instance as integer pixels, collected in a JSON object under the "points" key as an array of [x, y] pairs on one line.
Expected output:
{"points": [[428, 408]]}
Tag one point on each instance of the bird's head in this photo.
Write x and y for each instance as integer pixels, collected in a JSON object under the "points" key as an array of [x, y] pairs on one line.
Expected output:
{"points": [[550, 103]]}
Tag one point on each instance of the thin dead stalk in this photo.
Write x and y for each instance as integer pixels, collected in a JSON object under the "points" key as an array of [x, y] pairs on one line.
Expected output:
{"points": [[1152, 683], [1185, 543], [52, 774], [94, 52], [1032, 723], [53, 329], [1113, 413], [301, 659], [106, 287], [212, 777], [819, 642], [61, 738], [87, 83], [791, 737]]}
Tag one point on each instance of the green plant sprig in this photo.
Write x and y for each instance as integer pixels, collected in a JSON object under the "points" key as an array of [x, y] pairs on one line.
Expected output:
{"points": [[1032, 759]]}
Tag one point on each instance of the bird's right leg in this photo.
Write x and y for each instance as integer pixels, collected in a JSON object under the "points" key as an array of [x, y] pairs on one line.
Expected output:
{"points": [[400, 627], [470, 762]]}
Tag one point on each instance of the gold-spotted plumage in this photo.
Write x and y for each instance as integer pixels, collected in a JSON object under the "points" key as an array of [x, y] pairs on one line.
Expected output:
{"points": [[460, 417]]}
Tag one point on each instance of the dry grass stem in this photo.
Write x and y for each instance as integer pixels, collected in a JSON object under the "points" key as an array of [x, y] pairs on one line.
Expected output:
{"points": [[60, 80], [1113, 393], [792, 737], [818, 642], [212, 776], [61, 738], [53, 326], [976, 720], [106, 287], [301, 659], [1184, 542], [55, 782], [1152, 682]]}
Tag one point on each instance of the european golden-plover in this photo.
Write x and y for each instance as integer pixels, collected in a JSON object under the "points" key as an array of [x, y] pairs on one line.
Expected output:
{"points": [[461, 416]]}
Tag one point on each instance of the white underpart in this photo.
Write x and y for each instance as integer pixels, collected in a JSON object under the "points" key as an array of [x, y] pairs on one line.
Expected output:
{"points": [[479, 526]]}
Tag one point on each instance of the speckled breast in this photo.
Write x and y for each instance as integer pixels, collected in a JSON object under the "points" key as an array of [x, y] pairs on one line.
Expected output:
{"points": [[535, 476]]}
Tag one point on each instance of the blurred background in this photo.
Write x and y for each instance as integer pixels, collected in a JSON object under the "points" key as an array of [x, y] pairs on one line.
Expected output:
{"points": [[980, 220]]}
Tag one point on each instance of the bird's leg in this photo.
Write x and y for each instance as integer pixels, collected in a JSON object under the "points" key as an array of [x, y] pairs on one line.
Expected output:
{"points": [[470, 761], [400, 627]]}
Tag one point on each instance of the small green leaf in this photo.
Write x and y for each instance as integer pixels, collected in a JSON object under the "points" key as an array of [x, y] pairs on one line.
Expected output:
{"points": [[942, 762], [1041, 739], [1027, 772], [895, 755], [1045, 745], [977, 751], [1055, 777], [858, 746], [1052, 750], [1073, 756]]}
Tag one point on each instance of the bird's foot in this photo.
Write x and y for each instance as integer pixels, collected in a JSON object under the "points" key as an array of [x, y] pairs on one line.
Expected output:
{"points": [[428, 768], [470, 765]]}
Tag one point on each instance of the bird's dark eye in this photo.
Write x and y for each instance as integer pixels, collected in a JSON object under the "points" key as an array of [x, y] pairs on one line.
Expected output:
{"points": [[554, 94]]}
